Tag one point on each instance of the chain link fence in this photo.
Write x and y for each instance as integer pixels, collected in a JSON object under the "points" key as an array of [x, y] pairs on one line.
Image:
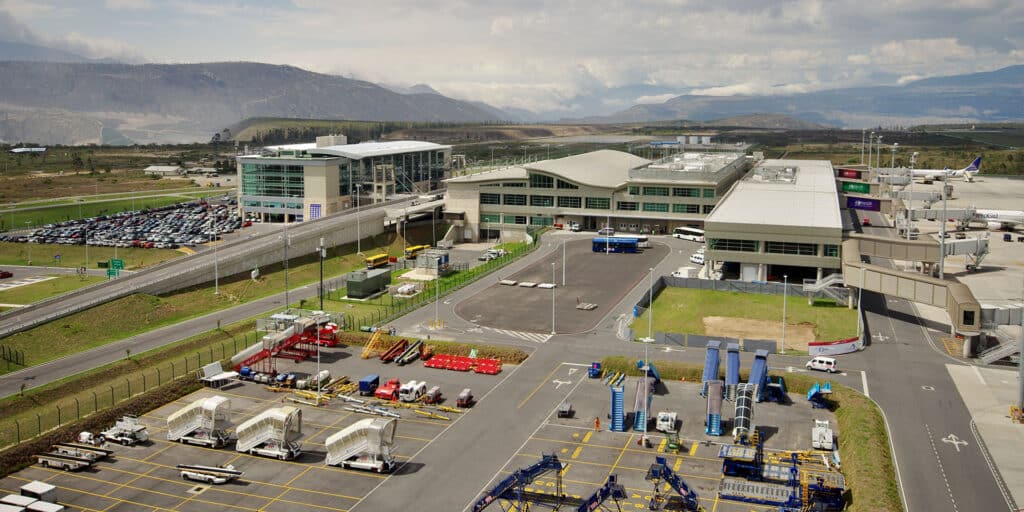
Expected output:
{"points": [[84, 403]]}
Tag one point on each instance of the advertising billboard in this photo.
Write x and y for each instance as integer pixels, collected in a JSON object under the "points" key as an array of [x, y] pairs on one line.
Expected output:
{"points": [[849, 173], [857, 188], [863, 203]]}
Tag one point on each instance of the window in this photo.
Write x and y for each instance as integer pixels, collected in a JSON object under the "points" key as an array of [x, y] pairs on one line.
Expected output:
{"points": [[968, 318], [515, 219], [514, 184], [515, 199], [490, 185], [634, 190], [569, 202], [709, 192], [541, 221], [791, 248], [546, 201], [599, 203], [708, 208], [831, 251], [685, 208], [490, 217], [685, 192], [626, 205], [656, 191], [541, 181], [486, 198], [566, 185], [725, 244], [656, 207]]}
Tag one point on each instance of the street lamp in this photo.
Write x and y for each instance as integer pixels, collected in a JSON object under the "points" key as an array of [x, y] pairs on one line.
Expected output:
{"points": [[437, 292], [563, 262], [552, 298], [785, 295], [86, 239], [647, 362], [892, 164], [287, 239], [871, 139], [216, 266], [942, 235], [323, 254], [28, 225]]}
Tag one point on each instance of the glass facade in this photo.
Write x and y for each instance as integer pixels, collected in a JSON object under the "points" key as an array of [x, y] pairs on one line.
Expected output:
{"points": [[709, 192], [285, 183], [569, 201], [566, 185], [627, 206], [685, 192], [543, 201], [541, 181], [486, 198], [831, 251], [656, 191], [515, 199], [725, 244], [656, 207], [599, 203], [791, 248], [409, 168], [490, 217], [685, 208], [541, 221]]}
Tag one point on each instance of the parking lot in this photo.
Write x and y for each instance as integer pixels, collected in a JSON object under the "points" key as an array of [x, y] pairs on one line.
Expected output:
{"points": [[590, 277], [589, 456], [144, 477], [166, 227]]}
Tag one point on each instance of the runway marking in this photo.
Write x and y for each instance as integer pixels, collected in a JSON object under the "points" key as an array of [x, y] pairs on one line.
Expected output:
{"points": [[536, 389], [949, 490], [528, 336], [928, 388], [864, 382], [576, 452], [955, 441], [980, 378]]}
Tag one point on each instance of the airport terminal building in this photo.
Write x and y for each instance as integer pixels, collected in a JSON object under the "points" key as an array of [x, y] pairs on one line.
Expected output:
{"points": [[784, 214], [632, 194], [297, 182]]}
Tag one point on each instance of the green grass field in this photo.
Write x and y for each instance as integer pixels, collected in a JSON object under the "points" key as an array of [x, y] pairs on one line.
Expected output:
{"points": [[682, 310], [35, 292], [73, 256]]}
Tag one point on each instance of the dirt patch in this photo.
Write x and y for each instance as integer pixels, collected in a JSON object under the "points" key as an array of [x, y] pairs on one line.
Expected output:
{"points": [[797, 335]]}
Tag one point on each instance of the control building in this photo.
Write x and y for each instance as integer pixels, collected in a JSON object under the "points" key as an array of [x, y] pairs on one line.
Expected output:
{"points": [[297, 182], [632, 194], [784, 214]]}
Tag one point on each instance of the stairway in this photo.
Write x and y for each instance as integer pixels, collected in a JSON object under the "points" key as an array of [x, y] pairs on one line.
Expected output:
{"points": [[618, 410], [1005, 349]]}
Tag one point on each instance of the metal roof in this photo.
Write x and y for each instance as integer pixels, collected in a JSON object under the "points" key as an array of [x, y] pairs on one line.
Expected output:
{"points": [[602, 168], [799, 193], [362, 150]]}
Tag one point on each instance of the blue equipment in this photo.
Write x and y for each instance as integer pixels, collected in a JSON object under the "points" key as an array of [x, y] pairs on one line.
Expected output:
{"points": [[618, 410], [759, 373], [594, 371], [711, 363], [732, 370], [660, 471]]}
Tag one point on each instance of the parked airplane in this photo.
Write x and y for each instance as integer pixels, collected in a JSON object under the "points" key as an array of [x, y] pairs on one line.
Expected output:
{"points": [[1000, 219], [941, 174]]}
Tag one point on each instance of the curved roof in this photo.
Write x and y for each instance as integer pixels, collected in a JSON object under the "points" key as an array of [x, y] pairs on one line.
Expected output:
{"points": [[364, 149], [603, 168]]}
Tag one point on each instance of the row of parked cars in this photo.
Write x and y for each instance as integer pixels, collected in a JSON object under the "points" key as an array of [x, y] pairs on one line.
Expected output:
{"points": [[166, 227]]}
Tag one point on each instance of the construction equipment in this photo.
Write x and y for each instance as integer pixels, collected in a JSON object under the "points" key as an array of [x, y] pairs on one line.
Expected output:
{"points": [[822, 437], [272, 433], [373, 346], [127, 431], [366, 444], [389, 391], [209, 474], [203, 422], [658, 472], [465, 398]]}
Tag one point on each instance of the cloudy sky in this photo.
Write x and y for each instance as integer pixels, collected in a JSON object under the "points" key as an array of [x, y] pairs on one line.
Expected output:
{"points": [[568, 56]]}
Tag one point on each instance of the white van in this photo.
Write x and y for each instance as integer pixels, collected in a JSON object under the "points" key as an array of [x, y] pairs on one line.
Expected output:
{"points": [[823, 364], [697, 258]]}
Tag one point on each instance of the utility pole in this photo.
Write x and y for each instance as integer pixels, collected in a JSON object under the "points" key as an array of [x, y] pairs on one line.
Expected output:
{"points": [[871, 139], [785, 295], [552, 298], [942, 227], [323, 254], [862, 146], [563, 263]]}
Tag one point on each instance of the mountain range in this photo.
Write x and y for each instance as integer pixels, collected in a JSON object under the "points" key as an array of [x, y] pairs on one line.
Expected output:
{"points": [[50, 96]]}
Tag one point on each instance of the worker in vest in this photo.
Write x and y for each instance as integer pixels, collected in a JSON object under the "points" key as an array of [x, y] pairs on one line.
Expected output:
{"points": [[597, 424]]}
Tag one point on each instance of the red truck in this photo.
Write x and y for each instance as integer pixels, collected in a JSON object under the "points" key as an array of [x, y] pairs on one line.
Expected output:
{"points": [[389, 390]]}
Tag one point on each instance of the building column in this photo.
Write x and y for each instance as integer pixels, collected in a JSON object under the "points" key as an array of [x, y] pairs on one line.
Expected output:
{"points": [[762, 272], [819, 274]]}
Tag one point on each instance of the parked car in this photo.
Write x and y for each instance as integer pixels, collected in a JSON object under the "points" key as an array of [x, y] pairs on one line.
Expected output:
{"points": [[697, 258], [606, 231], [823, 364], [492, 254], [4, 274]]}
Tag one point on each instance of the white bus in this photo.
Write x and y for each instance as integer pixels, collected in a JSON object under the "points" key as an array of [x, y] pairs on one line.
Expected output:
{"points": [[692, 234], [641, 240]]}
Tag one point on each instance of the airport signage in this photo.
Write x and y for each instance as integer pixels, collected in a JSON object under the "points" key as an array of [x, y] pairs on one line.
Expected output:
{"points": [[849, 173], [117, 264], [863, 203], [858, 188]]}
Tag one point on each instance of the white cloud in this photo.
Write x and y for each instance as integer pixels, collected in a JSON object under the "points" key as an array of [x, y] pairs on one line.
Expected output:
{"points": [[117, 5], [658, 98]]}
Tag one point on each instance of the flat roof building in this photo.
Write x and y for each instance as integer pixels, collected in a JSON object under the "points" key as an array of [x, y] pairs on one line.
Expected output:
{"points": [[595, 189], [784, 214], [297, 182]]}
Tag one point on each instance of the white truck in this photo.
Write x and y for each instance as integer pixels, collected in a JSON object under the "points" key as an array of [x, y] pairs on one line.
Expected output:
{"points": [[366, 444], [822, 437], [412, 391], [127, 431], [666, 422]]}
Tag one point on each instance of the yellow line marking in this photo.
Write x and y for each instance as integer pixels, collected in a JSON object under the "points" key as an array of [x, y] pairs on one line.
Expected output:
{"points": [[586, 438], [576, 452], [610, 447], [621, 453], [566, 469], [661, 445], [679, 462], [536, 389], [693, 449]]}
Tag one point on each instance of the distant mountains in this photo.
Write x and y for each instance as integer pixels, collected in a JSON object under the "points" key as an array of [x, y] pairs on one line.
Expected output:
{"points": [[53, 102], [979, 97]]}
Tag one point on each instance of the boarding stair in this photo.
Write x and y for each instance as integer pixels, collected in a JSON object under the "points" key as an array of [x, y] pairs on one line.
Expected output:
{"points": [[1006, 348], [372, 436], [201, 414], [271, 425], [618, 410]]}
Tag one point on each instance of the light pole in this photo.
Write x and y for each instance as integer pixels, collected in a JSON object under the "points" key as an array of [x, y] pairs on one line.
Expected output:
{"points": [[437, 293], [552, 298], [28, 225], [216, 269], [86, 234], [862, 146], [323, 254], [878, 153], [860, 312], [785, 295], [287, 241], [871, 139], [892, 164], [647, 362], [910, 205], [942, 233], [563, 262]]}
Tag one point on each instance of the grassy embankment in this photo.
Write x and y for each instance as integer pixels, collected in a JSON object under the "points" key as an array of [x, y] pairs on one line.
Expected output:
{"points": [[682, 310], [30, 293], [863, 437], [73, 256]]}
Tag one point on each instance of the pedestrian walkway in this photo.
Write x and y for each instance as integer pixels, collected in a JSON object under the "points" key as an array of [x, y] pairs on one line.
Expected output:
{"points": [[535, 337]]}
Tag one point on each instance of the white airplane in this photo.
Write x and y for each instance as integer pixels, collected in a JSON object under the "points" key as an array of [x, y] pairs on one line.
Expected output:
{"points": [[1000, 219], [967, 173]]}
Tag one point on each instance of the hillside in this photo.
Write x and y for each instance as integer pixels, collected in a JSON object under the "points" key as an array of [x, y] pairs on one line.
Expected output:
{"points": [[191, 102]]}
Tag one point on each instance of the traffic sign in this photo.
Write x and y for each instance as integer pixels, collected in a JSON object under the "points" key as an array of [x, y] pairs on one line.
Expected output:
{"points": [[117, 264], [112, 272]]}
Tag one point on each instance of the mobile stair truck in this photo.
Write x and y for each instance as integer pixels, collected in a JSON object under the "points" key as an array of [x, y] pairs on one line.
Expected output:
{"points": [[272, 433], [204, 422], [366, 444], [127, 431]]}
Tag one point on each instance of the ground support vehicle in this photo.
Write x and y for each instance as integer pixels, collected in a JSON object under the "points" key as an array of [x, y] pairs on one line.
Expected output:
{"points": [[465, 398], [666, 422], [366, 444], [272, 433], [594, 371], [368, 384], [565, 410], [203, 422], [209, 474], [127, 431], [412, 391], [822, 437], [389, 391], [659, 471], [433, 396], [61, 461]]}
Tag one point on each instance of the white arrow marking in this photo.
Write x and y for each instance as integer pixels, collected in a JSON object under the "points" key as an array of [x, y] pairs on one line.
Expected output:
{"points": [[955, 441], [573, 370], [559, 383]]}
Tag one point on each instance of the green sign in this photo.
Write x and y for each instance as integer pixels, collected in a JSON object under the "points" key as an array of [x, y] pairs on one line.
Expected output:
{"points": [[117, 264], [860, 188], [112, 272]]}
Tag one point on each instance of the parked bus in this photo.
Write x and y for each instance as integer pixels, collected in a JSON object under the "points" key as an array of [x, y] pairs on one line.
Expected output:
{"points": [[615, 244], [692, 234], [414, 250], [377, 261], [641, 240]]}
